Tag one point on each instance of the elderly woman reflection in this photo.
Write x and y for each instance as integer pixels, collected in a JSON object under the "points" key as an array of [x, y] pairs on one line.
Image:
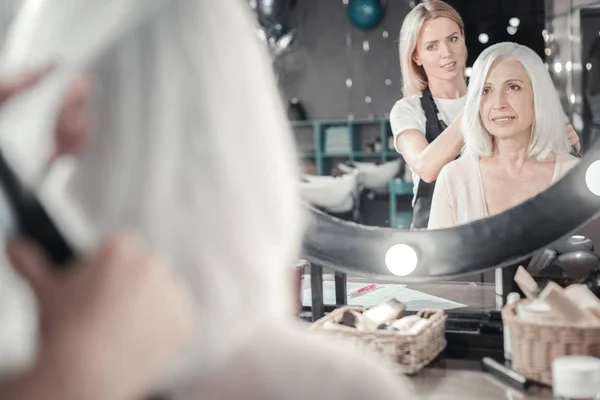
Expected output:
{"points": [[515, 141]]}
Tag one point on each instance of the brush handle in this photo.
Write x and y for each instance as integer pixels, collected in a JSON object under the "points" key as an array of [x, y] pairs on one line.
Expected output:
{"points": [[32, 220]]}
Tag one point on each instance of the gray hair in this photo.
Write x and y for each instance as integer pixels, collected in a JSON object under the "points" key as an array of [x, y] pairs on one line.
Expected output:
{"points": [[191, 148], [549, 130]]}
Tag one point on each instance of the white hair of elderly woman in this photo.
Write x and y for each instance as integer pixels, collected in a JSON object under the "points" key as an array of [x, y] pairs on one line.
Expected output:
{"points": [[190, 148], [549, 131]]}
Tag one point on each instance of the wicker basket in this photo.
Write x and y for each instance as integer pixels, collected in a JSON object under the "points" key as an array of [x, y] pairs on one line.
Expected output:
{"points": [[410, 352], [535, 345]]}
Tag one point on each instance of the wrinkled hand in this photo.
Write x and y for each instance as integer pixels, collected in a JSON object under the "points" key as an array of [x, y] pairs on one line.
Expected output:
{"points": [[573, 137], [112, 322]]}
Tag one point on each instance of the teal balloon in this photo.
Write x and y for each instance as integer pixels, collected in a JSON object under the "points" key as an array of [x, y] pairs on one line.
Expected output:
{"points": [[365, 14]]}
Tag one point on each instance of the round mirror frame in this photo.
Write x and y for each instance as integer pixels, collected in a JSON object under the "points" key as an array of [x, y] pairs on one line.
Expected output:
{"points": [[498, 241]]}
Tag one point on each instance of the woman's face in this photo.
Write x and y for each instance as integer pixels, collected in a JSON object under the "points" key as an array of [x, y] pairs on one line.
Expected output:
{"points": [[506, 109], [441, 49]]}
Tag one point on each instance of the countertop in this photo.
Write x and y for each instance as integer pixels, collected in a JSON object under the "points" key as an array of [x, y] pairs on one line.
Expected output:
{"points": [[464, 380]]}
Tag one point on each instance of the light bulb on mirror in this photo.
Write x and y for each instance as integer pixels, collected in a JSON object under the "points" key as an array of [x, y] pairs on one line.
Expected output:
{"points": [[401, 260], [592, 178]]}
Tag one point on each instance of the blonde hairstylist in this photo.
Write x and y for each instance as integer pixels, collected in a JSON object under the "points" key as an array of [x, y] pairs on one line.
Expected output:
{"points": [[167, 76], [425, 122]]}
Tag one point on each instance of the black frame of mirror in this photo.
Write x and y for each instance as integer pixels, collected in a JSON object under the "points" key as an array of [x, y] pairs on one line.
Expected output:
{"points": [[495, 242]]}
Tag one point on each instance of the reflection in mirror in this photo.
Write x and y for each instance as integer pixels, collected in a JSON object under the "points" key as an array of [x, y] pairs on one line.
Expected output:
{"points": [[388, 111], [515, 139]]}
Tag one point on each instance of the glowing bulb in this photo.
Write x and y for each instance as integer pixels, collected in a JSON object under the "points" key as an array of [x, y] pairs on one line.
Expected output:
{"points": [[514, 22], [511, 30], [572, 98], [348, 82], [557, 67], [368, 99], [592, 178], [483, 38], [401, 259], [588, 66], [469, 71], [569, 65], [366, 46]]}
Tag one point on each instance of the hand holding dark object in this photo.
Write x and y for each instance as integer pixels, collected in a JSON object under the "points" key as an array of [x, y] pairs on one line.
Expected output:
{"points": [[109, 326]]}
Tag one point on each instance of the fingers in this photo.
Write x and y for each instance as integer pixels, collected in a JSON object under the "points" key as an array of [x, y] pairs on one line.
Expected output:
{"points": [[31, 263], [73, 125], [11, 86]]}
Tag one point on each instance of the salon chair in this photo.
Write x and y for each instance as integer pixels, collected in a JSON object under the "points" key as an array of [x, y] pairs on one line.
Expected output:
{"points": [[335, 195], [374, 179], [373, 176]]}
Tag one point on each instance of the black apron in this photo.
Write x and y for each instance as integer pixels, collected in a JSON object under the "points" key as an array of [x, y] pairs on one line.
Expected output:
{"points": [[434, 126]]}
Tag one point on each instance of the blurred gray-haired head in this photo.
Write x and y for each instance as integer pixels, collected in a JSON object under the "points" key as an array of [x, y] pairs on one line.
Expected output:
{"points": [[190, 148]]}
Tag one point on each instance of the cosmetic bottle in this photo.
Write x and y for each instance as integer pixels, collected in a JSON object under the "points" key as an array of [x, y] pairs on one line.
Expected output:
{"points": [[576, 377], [512, 298], [383, 313]]}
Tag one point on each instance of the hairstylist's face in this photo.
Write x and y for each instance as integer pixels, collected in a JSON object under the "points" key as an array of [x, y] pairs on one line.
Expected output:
{"points": [[441, 49], [506, 107]]}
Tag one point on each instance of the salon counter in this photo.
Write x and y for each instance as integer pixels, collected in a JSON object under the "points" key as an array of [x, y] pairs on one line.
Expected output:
{"points": [[464, 380]]}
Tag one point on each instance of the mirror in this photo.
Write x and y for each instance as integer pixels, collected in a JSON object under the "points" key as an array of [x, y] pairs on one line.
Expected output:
{"points": [[342, 80]]}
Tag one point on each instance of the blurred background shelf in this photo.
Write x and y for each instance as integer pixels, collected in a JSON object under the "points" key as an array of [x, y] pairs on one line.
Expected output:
{"points": [[323, 144]]}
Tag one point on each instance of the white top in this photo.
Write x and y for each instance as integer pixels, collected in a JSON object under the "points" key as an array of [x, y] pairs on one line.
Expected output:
{"points": [[407, 114], [459, 198]]}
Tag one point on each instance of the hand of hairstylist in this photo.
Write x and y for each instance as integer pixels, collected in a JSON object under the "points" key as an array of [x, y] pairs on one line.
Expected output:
{"points": [[428, 159], [109, 325]]}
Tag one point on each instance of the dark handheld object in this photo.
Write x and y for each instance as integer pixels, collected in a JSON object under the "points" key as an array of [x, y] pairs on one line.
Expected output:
{"points": [[504, 373], [31, 219]]}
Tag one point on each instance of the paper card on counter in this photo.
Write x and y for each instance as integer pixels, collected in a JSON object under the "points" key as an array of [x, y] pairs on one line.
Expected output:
{"points": [[413, 299]]}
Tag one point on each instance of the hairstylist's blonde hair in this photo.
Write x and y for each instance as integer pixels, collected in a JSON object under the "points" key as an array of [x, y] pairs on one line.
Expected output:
{"points": [[414, 79]]}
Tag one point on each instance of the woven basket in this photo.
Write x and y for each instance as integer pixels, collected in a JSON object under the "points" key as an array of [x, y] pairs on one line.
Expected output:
{"points": [[535, 346], [410, 352]]}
